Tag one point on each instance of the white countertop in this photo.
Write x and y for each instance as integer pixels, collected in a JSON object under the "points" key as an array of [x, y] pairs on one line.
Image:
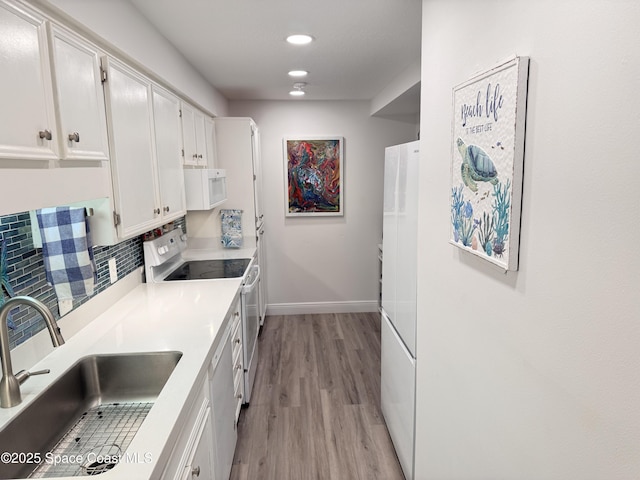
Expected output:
{"points": [[186, 316]]}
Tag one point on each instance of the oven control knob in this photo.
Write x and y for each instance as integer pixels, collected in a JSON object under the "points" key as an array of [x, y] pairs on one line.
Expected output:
{"points": [[162, 250]]}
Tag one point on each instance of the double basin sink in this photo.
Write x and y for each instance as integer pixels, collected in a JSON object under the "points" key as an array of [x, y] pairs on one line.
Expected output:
{"points": [[93, 385]]}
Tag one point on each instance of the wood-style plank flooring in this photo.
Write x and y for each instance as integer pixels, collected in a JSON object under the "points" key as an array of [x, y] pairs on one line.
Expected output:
{"points": [[315, 408]]}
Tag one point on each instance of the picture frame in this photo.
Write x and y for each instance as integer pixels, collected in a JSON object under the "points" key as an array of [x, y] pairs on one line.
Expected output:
{"points": [[487, 159], [314, 175]]}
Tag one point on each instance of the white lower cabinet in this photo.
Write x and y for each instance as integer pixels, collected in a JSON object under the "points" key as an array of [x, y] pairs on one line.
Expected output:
{"points": [[224, 408], [207, 443], [199, 464], [237, 359], [192, 454]]}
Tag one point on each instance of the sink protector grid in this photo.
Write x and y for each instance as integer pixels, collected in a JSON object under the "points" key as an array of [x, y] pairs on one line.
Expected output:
{"points": [[96, 443]]}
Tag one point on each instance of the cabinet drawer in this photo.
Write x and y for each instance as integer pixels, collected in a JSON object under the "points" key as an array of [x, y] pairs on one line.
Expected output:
{"points": [[238, 392], [236, 355], [236, 341]]}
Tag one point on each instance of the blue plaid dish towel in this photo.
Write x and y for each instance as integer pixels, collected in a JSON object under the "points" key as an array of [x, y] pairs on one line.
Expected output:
{"points": [[67, 251]]}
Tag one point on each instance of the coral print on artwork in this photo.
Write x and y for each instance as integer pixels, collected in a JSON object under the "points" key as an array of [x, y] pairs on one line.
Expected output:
{"points": [[313, 176], [486, 163]]}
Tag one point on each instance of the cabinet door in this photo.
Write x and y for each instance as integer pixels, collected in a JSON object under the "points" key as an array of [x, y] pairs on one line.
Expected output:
{"points": [[80, 98], [224, 408], [210, 142], [257, 175], [166, 117], [132, 164], [262, 285], [201, 144], [189, 135], [200, 465], [27, 117]]}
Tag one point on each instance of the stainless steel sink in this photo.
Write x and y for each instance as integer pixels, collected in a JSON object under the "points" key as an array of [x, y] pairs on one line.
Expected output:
{"points": [[93, 381]]}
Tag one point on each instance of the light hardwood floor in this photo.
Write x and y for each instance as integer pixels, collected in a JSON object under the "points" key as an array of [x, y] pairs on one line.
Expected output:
{"points": [[315, 408]]}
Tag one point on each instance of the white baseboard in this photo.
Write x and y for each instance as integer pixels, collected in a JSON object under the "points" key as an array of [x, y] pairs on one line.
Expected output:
{"points": [[321, 307]]}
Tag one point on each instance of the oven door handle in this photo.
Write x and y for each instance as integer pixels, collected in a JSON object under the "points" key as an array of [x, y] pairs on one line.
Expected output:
{"points": [[248, 288]]}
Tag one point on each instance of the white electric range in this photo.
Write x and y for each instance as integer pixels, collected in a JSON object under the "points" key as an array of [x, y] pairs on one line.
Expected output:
{"points": [[166, 259]]}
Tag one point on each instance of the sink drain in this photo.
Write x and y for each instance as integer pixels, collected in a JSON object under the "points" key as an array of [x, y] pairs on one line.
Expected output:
{"points": [[96, 468], [101, 458]]}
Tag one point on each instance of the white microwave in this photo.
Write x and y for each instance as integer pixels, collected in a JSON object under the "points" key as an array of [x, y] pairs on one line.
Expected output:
{"points": [[205, 188]]}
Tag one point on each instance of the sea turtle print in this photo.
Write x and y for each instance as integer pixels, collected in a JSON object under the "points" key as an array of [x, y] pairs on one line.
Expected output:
{"points": [[476, 166]]}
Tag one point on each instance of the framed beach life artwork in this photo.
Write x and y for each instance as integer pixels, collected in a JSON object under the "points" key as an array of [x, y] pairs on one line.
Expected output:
{"points": [[487, 159], [314, 170]]}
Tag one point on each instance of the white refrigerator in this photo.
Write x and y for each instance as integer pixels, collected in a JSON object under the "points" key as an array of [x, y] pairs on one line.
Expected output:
{"points": [[398, 323]]}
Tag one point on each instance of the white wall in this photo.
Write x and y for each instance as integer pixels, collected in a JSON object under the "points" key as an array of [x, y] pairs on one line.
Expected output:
{"points": [[329, 263], [121, 25], [536, 374]]}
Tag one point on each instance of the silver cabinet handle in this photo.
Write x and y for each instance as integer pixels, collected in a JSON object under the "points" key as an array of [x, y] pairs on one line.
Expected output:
{"points": [[74, 137], [45, 134], [195, 471]]}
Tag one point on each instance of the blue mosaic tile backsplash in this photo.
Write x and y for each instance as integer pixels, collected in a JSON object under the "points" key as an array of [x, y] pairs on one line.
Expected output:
{"points": [[25, 269]]}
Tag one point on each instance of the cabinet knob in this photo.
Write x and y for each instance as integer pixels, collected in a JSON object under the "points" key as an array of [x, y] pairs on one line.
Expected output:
{"points": [[200, 155], [237, 340], [45, 134], [74, 137], [156, 211], [195, 155], [239, 396], [166, 209], [195, 471]]}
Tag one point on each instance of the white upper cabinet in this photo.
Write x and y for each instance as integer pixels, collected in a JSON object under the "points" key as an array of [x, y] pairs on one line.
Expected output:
{"points": [[257, 174], [168, 143], [133, 170], [210, 141], [194, 136], [80, 98], [145, 145], [27, 118]]}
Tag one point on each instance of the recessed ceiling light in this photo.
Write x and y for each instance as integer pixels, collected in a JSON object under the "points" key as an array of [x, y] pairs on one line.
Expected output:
{"points": [[299, 39], [296, 93], [298, 73]]}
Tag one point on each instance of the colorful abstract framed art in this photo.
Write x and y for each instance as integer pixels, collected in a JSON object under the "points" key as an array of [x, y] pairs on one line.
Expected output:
{"points": [[313, 175], [487, 158]]}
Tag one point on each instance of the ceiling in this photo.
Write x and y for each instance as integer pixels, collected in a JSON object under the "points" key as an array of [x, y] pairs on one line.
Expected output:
{"points": [[239, 45]]}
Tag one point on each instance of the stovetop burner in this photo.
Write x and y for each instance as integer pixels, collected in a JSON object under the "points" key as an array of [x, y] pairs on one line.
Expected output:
{"points": [[210, 269]]}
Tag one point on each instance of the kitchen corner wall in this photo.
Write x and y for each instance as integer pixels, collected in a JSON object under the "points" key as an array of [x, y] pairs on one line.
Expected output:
{"points": [[326, 263], [535, 374]]}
